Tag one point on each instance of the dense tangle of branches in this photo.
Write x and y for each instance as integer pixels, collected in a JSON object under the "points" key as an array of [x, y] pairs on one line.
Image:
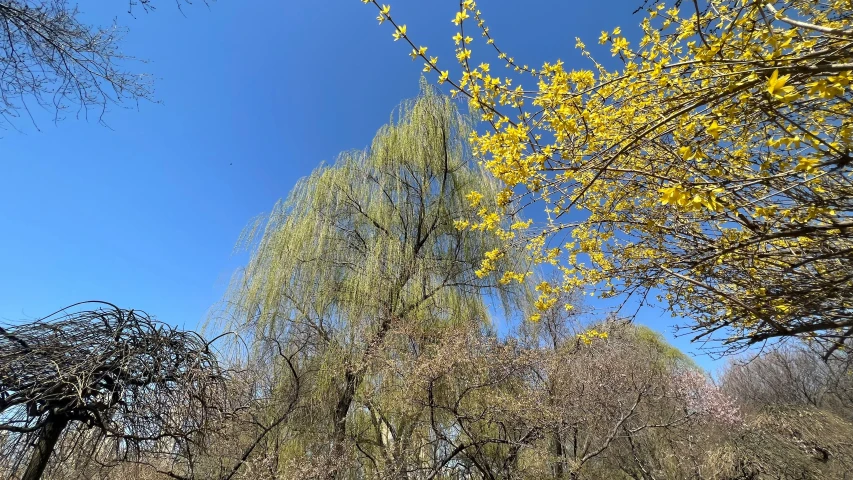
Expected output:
{"points": [[97, 378]]}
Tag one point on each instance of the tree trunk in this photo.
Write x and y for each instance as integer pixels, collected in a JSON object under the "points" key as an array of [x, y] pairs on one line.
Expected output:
{"points": [[353, 380], [557, 445], [48, 437]]}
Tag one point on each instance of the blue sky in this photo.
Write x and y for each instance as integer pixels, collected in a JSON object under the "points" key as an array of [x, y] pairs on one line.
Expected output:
{"points": [[254, 95]]}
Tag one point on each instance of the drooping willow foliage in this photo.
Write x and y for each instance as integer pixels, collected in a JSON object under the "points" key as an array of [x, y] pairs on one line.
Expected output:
{"points": [[368, 244], [374, 232]]}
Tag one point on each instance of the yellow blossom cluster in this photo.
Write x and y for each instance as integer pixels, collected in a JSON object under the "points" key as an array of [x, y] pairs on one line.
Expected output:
{"points": [[591, 335], [714, 166]]}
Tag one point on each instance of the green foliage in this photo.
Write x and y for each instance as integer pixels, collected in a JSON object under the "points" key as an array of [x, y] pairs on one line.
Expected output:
{"points": [[667, 351], [373, 234], [362, 263]]}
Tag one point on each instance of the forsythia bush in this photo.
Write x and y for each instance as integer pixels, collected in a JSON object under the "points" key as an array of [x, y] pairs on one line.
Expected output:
{"points": [[712, 169]]}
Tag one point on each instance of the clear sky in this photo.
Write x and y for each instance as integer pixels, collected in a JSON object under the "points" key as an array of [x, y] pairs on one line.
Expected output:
{"points": [[255, 94]]}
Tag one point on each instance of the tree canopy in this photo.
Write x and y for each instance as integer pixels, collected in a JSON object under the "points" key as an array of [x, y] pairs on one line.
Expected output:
{"points": [[366, 246]]}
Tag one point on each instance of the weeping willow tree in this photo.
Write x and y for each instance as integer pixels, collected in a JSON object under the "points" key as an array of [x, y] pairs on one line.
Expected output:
{"points": [[361, 248]]}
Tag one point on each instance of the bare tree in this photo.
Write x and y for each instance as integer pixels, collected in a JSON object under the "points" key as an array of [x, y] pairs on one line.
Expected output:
{"points": [[104, 385], [50, 58], [788, 442], [793, 375]]}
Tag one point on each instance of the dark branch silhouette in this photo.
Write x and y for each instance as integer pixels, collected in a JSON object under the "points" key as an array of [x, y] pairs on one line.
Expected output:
{"points": [[52, 59], [114, 383]]}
